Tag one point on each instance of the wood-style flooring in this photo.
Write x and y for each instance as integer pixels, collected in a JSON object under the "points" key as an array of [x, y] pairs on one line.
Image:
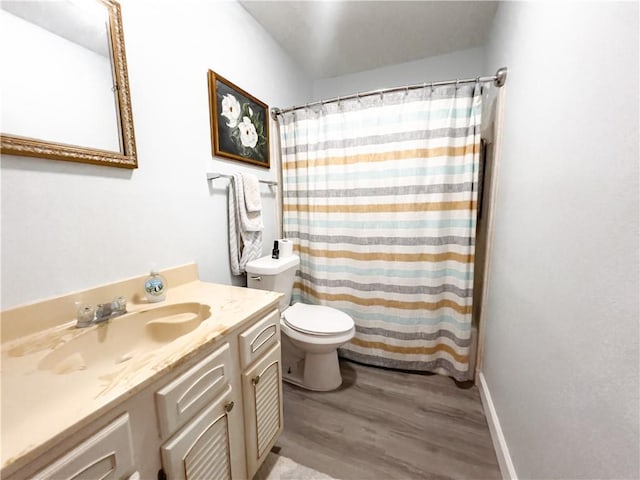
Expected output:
{"points": [[384, 424]]}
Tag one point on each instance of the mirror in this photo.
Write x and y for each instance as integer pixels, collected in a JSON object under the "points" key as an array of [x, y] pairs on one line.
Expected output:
{"points": [[66, 90]]}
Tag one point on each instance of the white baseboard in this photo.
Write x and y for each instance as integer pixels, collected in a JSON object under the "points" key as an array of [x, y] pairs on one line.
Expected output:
{"points": [[499, 443]]}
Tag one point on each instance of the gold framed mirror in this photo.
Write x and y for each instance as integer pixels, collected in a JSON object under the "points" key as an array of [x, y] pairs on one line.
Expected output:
{"points": [[59, 61]]}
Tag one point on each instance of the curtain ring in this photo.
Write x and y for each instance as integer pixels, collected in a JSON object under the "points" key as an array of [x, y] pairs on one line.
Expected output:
{"points": [[406, 91], [339, 101], [358, 97], [380, 95], [457, 83]]}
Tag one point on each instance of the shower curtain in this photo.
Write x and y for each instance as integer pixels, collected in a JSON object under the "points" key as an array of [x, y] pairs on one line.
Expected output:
{"points": [[379, 198]]}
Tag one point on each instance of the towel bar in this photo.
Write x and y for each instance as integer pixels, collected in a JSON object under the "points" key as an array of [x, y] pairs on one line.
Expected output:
{"points": [[213, 176]]}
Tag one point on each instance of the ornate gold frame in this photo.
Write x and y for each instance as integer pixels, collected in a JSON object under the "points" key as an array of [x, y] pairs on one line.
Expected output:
{"points": [[31, 147], [214, 114]]}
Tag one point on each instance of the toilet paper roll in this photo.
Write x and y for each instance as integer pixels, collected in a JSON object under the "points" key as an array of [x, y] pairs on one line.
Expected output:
{"points": [[286, 247]]}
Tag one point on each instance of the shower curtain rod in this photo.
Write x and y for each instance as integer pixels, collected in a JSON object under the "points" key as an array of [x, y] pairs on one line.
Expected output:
{"points": [[498, 80]]}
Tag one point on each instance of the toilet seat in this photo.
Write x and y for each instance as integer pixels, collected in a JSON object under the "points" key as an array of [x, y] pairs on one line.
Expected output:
{"points": [[317, 320]]}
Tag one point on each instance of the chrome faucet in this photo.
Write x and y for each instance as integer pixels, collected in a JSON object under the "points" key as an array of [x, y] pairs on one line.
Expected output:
{"points": [[88, 315]]}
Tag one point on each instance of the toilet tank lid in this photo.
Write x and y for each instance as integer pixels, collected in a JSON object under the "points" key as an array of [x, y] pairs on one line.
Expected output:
{"points": [[271, 266]]}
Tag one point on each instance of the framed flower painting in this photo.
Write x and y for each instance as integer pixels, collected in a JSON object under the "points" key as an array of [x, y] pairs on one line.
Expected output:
{"points": [[239, 123]]}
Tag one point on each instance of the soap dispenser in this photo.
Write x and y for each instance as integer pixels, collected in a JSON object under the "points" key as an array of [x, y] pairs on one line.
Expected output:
{"points": [[155, 287]]}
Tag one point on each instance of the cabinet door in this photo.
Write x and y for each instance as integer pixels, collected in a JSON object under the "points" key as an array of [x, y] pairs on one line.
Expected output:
{"points": [[262, 393], [202, 449]]}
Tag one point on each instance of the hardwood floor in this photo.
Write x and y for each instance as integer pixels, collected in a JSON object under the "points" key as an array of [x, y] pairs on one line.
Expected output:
{"points": [[384, 424]]}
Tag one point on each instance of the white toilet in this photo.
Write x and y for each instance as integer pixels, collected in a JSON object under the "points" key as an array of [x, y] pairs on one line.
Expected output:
{"points": [[311, 334]]}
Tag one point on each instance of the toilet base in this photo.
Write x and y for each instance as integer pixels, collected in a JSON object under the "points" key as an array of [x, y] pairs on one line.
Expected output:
{"points": [[314, 371], [299, 383]]}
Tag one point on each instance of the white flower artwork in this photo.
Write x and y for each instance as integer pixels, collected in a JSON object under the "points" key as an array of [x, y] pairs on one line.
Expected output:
{"points": [[231, 110], [239, 123], [248, 134]]}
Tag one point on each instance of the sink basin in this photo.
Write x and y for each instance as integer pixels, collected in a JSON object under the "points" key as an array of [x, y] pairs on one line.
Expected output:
{"points": [[125, 337]]}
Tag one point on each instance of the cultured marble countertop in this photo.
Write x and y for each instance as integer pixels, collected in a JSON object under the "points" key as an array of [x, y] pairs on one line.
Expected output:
{"points": [[39, 407]]}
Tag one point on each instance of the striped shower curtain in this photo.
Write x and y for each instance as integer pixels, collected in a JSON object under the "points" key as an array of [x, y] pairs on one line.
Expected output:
{"points": [[379, 198]]}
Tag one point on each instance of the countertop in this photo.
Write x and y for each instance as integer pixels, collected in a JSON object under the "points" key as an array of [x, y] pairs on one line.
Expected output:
{"points": [[39, 407]]}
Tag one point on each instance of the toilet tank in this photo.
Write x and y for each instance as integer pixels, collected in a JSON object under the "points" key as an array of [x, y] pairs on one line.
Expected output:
{"points": [[277, 275]]}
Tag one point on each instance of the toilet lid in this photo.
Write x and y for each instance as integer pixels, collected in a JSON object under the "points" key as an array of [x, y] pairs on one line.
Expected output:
{"points": [[317, 319]]}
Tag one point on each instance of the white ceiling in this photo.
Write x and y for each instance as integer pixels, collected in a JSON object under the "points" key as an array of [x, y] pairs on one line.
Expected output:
{"points": [[332, 38]]}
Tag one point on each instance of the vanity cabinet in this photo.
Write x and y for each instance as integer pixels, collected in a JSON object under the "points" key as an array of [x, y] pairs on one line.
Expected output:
{"points": [[204, 448], [214, 412]]}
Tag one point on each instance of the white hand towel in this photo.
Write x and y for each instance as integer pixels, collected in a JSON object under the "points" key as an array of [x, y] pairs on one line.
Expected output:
{"points": [[244, 245], [252, 192], [249, 221]]}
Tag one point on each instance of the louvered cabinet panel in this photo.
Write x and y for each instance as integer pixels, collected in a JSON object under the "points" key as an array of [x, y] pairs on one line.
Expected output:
{"points": [[202, 449], [209, 456], [262, 393]]}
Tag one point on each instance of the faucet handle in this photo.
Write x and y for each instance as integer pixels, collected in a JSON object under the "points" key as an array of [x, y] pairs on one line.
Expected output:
{"points": [[119, 305], [85, 314]]}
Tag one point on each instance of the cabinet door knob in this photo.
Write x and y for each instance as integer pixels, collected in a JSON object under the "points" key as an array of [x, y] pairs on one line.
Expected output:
{"points": [[228, 407], [255, 380]]}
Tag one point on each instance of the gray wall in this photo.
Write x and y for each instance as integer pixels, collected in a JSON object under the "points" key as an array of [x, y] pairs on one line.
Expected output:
{"points": [[561, 358], [461, 64]]}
